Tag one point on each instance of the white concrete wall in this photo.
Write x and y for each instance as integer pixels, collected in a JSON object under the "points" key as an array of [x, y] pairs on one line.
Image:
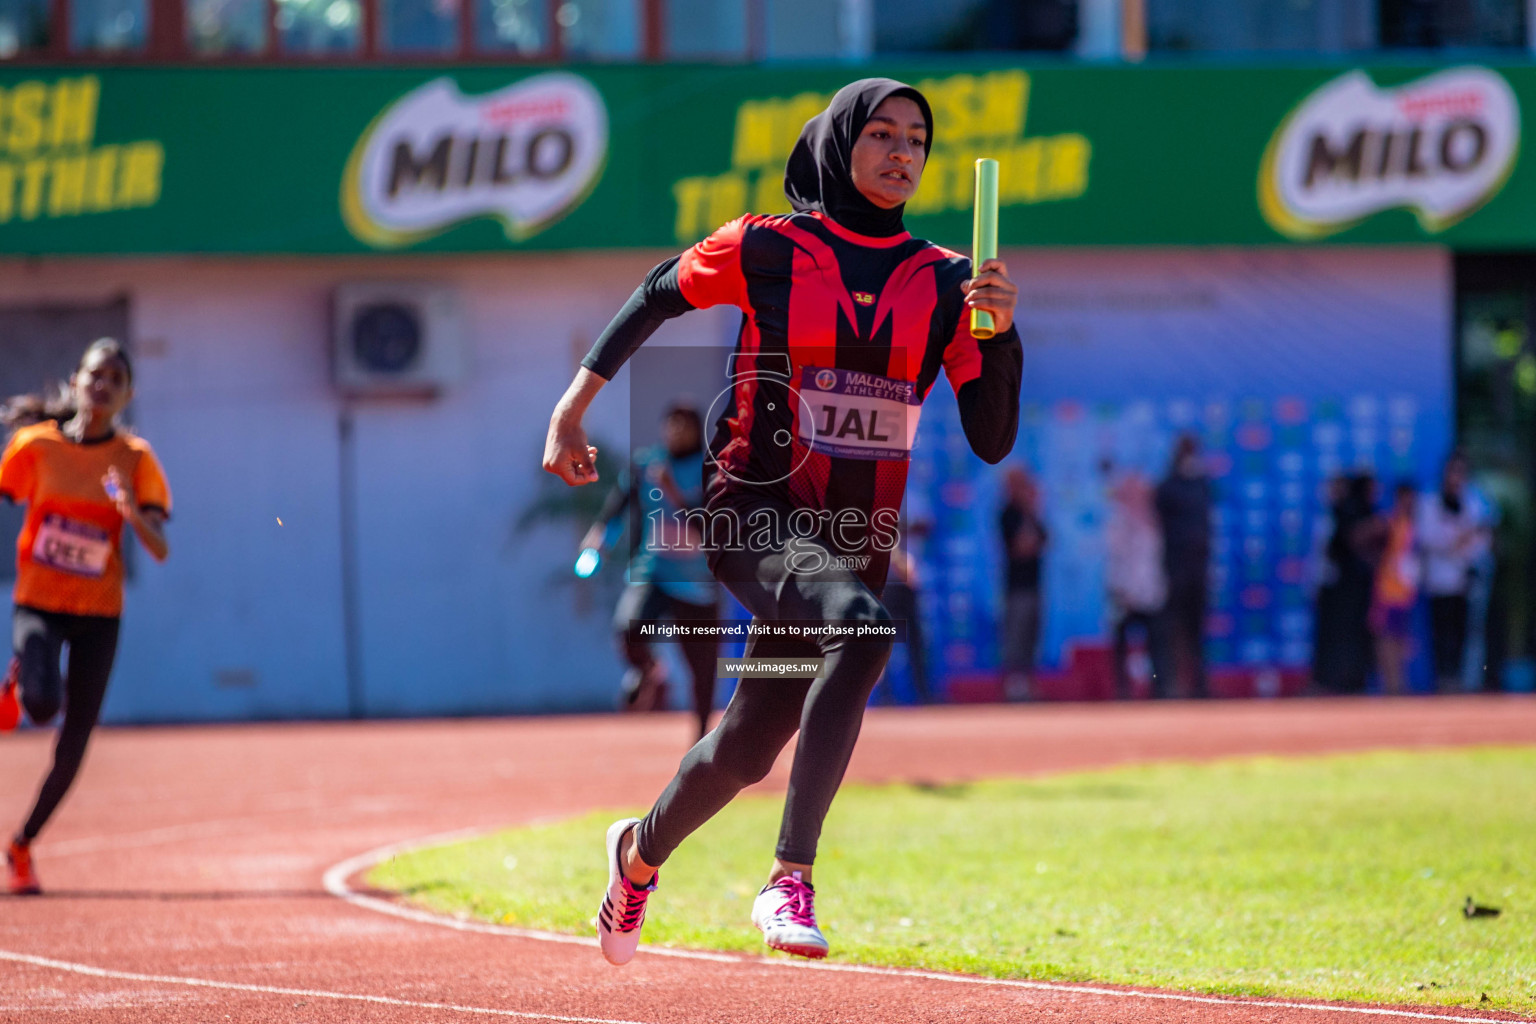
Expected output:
{"points": [[456, 615]]}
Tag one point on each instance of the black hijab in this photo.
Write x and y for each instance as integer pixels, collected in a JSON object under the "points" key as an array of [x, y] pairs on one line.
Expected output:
{"points": [[819, 175]]}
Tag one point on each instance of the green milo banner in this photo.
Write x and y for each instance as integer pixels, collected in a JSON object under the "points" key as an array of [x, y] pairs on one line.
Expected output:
{"points": [[331, 160]]}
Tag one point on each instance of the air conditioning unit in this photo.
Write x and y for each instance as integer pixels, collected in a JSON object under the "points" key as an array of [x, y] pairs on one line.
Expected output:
{"points": [[396, 338]]}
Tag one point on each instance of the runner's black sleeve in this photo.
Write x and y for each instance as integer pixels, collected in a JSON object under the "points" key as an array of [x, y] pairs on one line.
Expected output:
{"points": [[658, 299], [989, 405]]}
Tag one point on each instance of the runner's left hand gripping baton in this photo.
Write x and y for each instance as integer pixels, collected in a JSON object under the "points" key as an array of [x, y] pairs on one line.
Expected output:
{"points": [[984, 238]]}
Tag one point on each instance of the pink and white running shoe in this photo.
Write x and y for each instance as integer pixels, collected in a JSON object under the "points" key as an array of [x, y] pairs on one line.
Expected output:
{"points": [[623, 910], [785, 912]]}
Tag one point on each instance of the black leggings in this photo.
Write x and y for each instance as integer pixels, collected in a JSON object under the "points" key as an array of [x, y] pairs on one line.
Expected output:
{"points": [[764, 713], [1448, 636], [37, 638]]}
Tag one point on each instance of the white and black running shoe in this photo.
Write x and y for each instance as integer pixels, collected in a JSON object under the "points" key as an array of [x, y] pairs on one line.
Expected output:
{"points": [[623, 910]]}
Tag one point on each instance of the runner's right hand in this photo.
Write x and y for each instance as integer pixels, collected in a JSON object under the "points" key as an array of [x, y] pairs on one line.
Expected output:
{"points": [[567, 454]]}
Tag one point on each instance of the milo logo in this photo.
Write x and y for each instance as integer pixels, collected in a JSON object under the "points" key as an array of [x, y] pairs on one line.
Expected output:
{"points": [[1441, 146], [526, 155]]}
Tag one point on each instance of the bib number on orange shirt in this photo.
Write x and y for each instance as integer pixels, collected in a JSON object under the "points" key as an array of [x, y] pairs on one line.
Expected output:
{"points": [[858, 415], [71, 546]]}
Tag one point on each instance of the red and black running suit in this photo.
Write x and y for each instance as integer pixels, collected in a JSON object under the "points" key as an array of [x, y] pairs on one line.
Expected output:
{"points": [[814, 297]]}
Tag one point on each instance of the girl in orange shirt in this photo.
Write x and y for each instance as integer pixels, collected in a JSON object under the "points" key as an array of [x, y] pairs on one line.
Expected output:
{"points": [[1397, 588], [81, 477]]}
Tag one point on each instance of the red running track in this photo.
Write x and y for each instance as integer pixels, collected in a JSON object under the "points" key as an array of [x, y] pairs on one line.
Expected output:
{"points": [[185, 871]]}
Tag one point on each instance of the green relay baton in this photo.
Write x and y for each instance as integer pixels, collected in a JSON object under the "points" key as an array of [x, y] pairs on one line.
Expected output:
{"points": [[984, 238]]}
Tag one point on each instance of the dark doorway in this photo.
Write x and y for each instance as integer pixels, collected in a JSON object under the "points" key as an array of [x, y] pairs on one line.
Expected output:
{"points": [[1495, 356]]}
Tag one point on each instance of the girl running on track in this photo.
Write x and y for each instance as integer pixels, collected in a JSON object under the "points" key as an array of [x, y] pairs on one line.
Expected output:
{"points": [[668, 575], [81, 477], [847, 321]]}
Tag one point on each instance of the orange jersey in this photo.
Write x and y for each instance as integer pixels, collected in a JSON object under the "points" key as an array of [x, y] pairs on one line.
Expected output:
{"points": [[69, 556], [1397, 577]]}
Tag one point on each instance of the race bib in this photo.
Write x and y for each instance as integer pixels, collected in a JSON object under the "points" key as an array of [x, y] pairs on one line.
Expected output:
{"points": [[72, 546], [856, 415]]}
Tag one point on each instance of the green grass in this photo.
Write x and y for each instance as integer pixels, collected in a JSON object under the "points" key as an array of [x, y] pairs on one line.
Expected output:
{"points": [[1333, 878]]}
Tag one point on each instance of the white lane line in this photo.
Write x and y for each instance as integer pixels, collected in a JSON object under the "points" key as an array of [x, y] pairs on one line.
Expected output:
{"points": [[276, 804], [275, 990], [336, 883], [148, 837]]}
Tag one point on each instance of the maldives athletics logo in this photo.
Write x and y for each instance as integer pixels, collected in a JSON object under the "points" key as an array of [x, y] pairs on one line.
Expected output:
{"points": [[526, 155], [1441, 146]]}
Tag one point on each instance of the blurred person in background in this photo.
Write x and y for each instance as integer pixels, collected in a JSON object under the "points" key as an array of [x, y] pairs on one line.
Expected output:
{"points": [[903, 599], [669, 578], [1482, 660], [82, 477], [1455, 535], [1024, 541], [1135, 579], [1184, 510], [1323, 576], [1397, 588], [1342, 657]]}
